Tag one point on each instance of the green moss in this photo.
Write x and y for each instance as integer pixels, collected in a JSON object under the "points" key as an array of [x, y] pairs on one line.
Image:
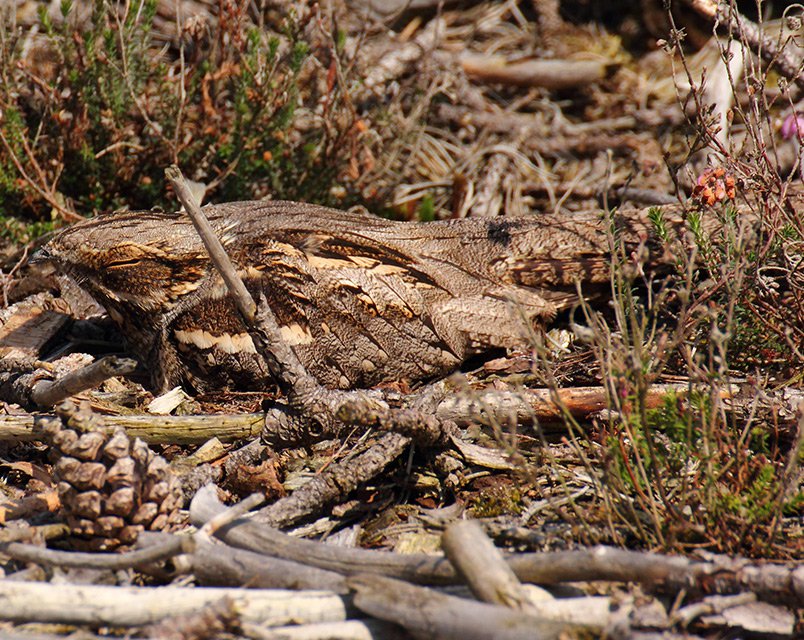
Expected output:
{"points": [[497, 500]]}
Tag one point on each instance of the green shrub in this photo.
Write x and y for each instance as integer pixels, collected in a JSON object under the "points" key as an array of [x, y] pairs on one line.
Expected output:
{"points": [[92, 119]]}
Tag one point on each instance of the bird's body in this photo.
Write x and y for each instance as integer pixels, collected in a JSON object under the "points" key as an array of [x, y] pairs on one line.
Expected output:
{"points": [[362, 300]]}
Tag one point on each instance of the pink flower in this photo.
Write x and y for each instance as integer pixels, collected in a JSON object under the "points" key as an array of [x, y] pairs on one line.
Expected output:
{"points": [[793, 125]]}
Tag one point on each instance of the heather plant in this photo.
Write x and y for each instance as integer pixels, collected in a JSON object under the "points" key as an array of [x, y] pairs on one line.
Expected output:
{"points": [[94, 108], [695, 472], [691, 472]]}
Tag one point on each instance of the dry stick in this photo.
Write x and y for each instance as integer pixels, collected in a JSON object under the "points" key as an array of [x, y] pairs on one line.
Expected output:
{"points": [[218, 256], [338, 481], [686, 615], [551, 74], [212, 564], [222, 565], [128, 606], [525, 405], [483, 566], [668, 574], [232, 513], [750, 33], [349, 630], [112, 561], [260, 538], [302, 391], [46, 393], [428, 613], [174, 545], [156, 429]]}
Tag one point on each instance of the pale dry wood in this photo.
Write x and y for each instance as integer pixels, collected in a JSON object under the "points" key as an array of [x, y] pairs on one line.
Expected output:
{"points": [[483, 566], [195, 429], [435, 615], [261, 538], [231, 514], [136, 606], [112, 561], [222, 565], [349, 630], [666, 574], [47, 393], [245, 303], [550, 74], [335, 483], [462, 406]]}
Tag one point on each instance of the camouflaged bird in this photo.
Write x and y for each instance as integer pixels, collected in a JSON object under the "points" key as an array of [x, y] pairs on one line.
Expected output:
{"points": [[362, 300]]}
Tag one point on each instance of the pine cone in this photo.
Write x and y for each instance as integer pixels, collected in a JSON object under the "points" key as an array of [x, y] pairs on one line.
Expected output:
{"points": [[111, 487]]}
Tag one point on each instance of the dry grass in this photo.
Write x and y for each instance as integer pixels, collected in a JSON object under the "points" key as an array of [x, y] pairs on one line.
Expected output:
{"points": [[95, 105]]}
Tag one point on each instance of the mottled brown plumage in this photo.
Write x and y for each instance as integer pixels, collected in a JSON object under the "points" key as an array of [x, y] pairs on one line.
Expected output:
{"points": [[361, 299]]}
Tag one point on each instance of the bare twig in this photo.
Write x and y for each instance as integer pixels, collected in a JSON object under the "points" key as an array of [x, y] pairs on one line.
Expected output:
{"points": [[47, 393], [482, 565], [666, 574], [242, 298], [432, 614], [232, 513], [135, 606], [112, 561], [552, 74], [334, 483], [525, 406], [222, 565]]}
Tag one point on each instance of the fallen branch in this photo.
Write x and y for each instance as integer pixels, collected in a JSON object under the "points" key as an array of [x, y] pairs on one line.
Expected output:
{"points": [[109, 561], [429, 613], [335, 483], [348, 630], [786, 61], [156, 429], [221, 565], [47, 393], [137, 606], [664, 574], [483, 566], [550, 74], [524, 406]]}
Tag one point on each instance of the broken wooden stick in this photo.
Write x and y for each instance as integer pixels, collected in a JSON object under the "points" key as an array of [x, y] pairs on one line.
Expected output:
{"points": [[136, 606], [47, 393], [428, 613], [660, 573], [483, 566], [550, 74]]}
